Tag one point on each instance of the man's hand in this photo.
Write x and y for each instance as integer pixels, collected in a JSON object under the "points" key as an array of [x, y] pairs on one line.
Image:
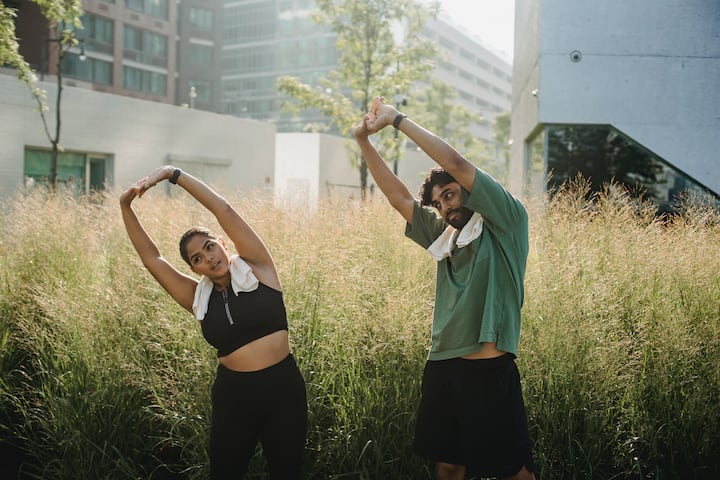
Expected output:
{"points": [[378, 117]]}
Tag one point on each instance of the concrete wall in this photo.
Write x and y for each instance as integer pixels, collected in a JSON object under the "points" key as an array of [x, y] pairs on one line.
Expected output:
{"points": [[650, 68], [297, 166], [137, 135], [526, 79]]}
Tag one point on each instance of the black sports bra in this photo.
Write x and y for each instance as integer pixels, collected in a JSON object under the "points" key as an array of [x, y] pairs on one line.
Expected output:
{"points": [[233, 321]]}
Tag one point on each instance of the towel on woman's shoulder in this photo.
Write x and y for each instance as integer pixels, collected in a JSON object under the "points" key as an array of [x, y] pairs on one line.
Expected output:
{"points": [[241, 278], [443, 246]]}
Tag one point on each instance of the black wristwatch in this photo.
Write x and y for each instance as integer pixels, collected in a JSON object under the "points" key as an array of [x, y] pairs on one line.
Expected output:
{"points": [[175, 175]]}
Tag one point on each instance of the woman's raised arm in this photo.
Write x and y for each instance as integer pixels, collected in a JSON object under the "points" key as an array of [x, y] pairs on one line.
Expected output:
{"points": [[247, 243], [180, 286]]}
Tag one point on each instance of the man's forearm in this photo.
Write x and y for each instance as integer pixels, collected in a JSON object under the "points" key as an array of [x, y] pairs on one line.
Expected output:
{"points": [[440, 152], [392, 187]]}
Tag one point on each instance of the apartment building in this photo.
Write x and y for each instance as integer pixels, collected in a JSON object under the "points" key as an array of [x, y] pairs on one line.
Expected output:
{"points": [[158, 50]]}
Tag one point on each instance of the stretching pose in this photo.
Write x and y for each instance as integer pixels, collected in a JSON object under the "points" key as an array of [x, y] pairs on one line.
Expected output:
{"points": [[259, 392], [472, 421]]}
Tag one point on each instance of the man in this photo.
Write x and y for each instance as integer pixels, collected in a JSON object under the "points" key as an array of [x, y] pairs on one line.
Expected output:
{"points": [[472, 421]]}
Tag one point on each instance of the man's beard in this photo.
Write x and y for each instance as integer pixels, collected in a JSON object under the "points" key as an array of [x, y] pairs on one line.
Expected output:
{"points": [[461, 216]]}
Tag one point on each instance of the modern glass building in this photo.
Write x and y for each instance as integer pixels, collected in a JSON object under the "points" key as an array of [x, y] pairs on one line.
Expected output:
{"points": [[264, 40]]}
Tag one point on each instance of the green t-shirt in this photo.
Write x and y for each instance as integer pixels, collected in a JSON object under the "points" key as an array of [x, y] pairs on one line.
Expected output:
{"points": [[480, 288]]}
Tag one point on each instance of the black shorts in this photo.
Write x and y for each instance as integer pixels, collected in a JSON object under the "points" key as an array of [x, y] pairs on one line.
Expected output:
{"points": [[472, 413]]}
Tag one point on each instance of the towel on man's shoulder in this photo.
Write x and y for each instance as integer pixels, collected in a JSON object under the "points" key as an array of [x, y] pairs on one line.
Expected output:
{"points": [[241, 278], [443, 246]]}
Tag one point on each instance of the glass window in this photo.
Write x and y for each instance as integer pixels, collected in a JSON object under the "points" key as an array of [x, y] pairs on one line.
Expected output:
{"points": [[89, 70], [144, 80], [466, 54], [137, 5], [97, 33], [602, 154], [144, 46], [483, 64], [157, 8], [71, 169], [154, 8], [201, 18], [251, 22], [449, 45], [464, 74], [201, 54]]}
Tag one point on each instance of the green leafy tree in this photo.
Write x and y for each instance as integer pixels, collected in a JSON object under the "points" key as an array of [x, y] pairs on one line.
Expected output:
{"points": [[372, 61], [63, 18]]}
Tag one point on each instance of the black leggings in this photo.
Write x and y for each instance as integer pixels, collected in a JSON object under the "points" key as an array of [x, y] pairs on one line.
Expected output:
{"points": [[269, 406]]}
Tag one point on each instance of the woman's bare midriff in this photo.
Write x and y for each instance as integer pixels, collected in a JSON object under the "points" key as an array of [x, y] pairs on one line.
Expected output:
{"points": [[258, 354], [489, 350]]}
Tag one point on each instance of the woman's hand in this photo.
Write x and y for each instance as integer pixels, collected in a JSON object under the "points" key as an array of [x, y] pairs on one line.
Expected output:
{"points": [[157, 176], [133, 191], [139, 188]]}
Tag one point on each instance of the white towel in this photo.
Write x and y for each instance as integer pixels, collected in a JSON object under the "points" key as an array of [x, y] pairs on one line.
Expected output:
{"points": [[443, 246], [241, 278]]}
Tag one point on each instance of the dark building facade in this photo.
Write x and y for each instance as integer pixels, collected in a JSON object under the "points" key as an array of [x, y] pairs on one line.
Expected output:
{"points": [[155, 50]]}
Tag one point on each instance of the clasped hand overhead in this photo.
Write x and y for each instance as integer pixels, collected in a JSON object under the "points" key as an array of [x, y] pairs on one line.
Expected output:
{"points": [[378, 117], [138, 188]]}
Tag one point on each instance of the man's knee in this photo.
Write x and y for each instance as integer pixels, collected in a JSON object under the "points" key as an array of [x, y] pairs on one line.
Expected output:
{"points": [[449, 471]]}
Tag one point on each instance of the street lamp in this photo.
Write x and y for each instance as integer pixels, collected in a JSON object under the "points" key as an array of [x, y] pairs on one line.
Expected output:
{"points": [[45, 66], [193, 95], [82, 55]]}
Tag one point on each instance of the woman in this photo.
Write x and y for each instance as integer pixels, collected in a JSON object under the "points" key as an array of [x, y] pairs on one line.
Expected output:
{"points": [[259, 392]]}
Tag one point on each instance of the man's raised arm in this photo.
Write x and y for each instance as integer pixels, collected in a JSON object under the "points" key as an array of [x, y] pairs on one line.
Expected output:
{"points": [[392, 187]]}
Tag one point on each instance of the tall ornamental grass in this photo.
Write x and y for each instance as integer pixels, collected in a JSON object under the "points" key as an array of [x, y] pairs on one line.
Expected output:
{"points": [[621, 339], [103, 376]]}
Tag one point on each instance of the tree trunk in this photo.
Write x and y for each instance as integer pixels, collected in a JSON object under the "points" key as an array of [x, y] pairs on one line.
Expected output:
{"points": [[56, 140], [363, 178]]}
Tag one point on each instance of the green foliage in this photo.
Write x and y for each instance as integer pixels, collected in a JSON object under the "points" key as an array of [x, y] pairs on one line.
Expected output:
{"points": [[370, 59], [371, 62], [102, 375], [64, 17], [9, 47], [445, 117], [441, 113]]}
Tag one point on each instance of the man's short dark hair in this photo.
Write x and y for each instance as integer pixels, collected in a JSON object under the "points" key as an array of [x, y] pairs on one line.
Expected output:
{"points": [[437, 176]]}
